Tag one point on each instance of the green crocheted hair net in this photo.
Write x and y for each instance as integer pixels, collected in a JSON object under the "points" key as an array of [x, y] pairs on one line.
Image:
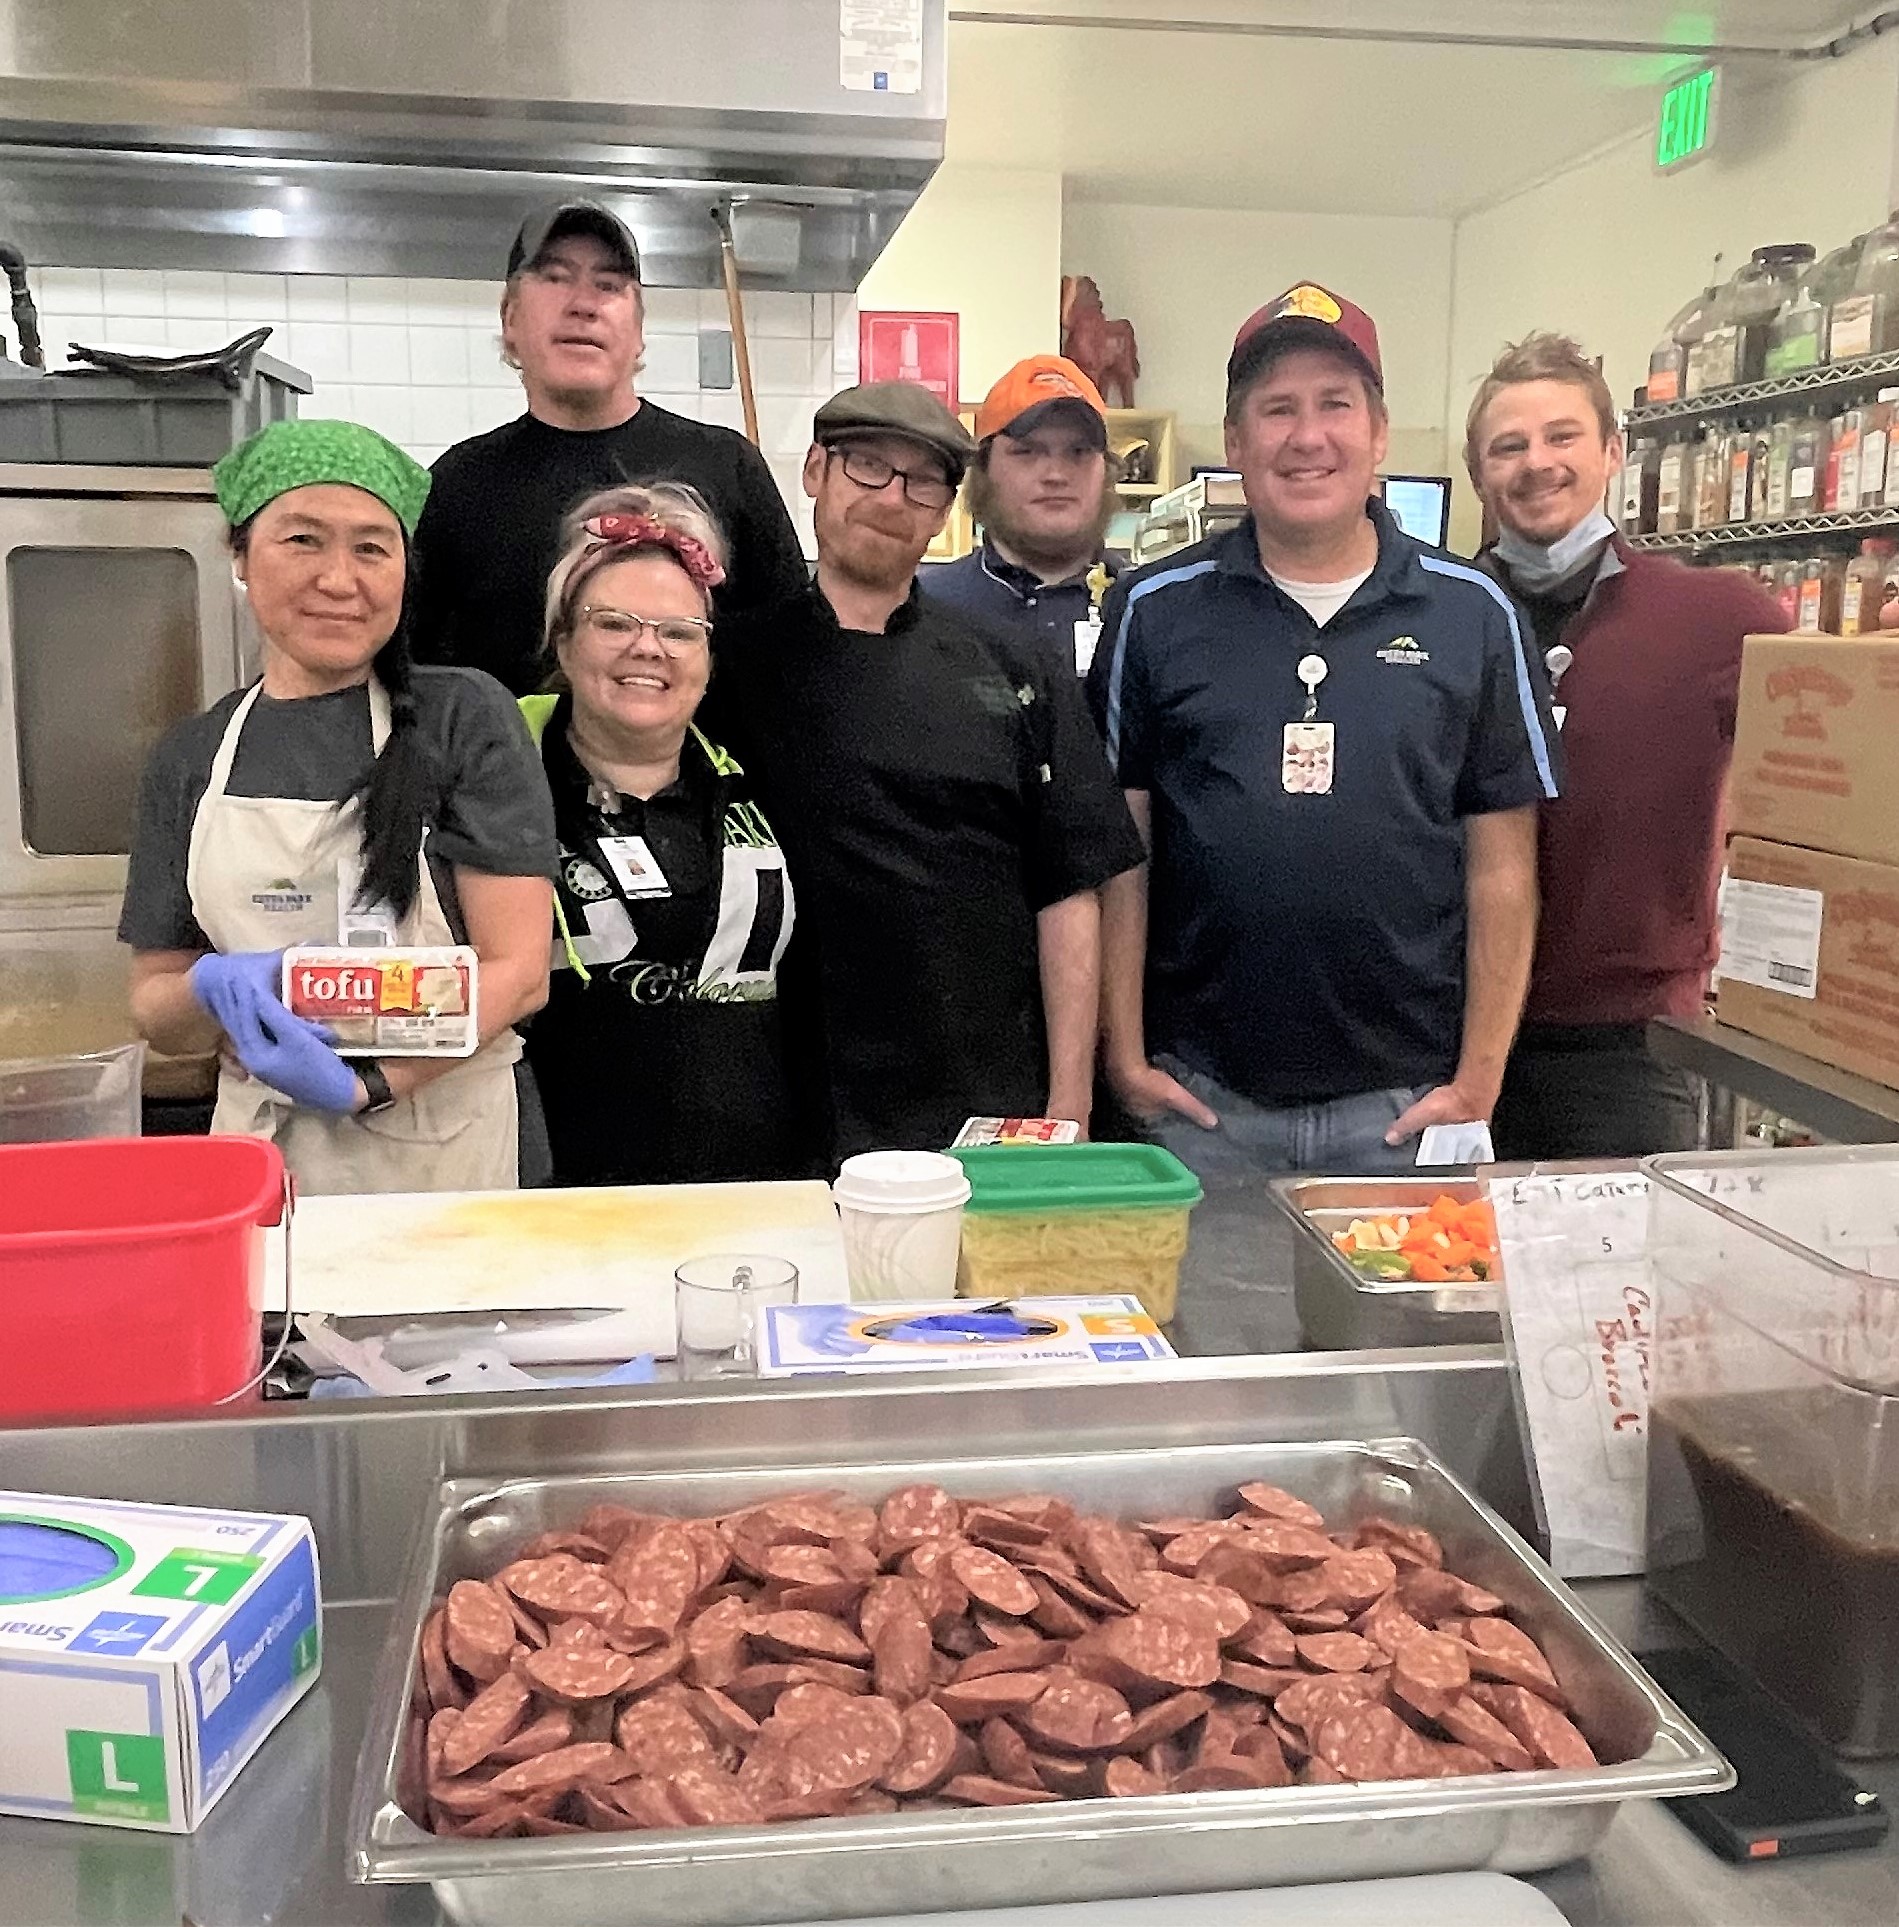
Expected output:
{"points": [[297, 454]]}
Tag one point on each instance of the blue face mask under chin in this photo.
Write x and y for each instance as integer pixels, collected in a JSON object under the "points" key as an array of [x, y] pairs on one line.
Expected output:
{"points": [[1536, 566]]}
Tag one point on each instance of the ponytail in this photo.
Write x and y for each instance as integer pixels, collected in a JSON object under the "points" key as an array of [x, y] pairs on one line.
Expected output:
{"points": [[399, 793]]}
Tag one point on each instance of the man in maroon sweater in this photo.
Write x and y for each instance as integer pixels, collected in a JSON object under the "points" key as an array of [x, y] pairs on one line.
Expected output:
{"points": [[1645, 654]]}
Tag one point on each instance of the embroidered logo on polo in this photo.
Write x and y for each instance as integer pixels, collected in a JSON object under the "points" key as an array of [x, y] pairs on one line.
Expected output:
{"points": [[282, 897], [583, 880], [1403, 649]]}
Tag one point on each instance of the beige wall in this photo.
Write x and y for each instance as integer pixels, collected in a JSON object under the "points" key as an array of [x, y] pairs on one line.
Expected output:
{"points": [[1187, 277], [1609, 250], [986, 242]]}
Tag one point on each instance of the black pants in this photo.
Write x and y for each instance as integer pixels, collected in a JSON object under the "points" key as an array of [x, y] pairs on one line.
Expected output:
{"points": [[1592, 1091]]}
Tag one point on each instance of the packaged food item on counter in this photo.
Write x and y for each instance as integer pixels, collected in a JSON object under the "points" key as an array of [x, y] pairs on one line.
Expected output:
{"points": [[145, 1653], [388, 1002], [1017, 1130], [814, 1656], [802, 1341], [1075, 1218]]}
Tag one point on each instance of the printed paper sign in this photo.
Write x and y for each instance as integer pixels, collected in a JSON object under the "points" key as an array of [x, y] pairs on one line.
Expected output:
{"points": [[1579, 1325], [880, 46], [1770, 936], [911, 347]]}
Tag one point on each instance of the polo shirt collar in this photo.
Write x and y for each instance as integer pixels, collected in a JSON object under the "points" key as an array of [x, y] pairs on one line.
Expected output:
{"points": [[907, 614], [1025, 583], [1396, 572]]}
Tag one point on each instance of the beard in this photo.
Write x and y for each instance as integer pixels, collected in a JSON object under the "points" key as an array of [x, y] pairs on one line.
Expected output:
{"points": [[869, 548]]}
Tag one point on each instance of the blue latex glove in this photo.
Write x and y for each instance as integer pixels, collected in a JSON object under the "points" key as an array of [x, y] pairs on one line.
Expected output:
{"points": [[294, 1056], [231, 987]]}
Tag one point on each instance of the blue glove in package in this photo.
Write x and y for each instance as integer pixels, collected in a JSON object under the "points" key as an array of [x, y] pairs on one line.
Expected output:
{"points": [[854, 1338]]}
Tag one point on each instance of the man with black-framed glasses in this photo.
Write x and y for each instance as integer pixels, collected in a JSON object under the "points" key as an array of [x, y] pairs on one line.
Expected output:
{"points": [[942, 798]]}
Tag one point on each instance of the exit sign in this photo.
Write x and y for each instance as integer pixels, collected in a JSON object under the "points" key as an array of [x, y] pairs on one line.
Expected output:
{"points": [[1686, 130]]}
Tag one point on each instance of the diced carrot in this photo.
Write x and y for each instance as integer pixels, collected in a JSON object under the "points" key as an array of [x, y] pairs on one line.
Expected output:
{"points": [[1479, 1225], [1427, 1270], [1447, 1213], [1457, 1254], [1345, 1242]]}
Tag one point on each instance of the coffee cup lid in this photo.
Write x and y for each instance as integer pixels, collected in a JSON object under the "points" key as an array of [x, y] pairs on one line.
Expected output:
{"points": [[901, 1181]]}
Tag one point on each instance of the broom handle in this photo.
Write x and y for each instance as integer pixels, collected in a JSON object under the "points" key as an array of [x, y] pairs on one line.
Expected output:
{"points": [[735, 308]]}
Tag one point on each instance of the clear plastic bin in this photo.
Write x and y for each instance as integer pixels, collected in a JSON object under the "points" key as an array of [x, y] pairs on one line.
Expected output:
{"points": [[1773, 1508], [46, 1099], [1075, 1219]]}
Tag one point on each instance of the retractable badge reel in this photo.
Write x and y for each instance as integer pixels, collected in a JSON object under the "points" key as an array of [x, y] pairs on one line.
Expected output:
{"points": [[1305, 766], [1556, 662]]}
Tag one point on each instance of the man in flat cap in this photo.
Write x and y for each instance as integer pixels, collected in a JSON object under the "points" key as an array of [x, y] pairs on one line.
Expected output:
{"points": [[940, 793]]}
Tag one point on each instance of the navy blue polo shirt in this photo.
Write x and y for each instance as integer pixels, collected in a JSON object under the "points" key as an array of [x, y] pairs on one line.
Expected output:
{"points": [[1306, 947], [995, 590]]}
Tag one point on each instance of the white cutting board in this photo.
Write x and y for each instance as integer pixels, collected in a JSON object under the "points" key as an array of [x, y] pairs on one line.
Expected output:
{"points": [[1455, 1899], [435, 1251]]}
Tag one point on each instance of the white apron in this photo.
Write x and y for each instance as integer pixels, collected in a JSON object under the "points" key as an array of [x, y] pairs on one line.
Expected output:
{"points": [[262, 875]]}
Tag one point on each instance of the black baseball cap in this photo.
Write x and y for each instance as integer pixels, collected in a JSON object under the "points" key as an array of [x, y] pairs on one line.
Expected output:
{"points": [[557, 218]]}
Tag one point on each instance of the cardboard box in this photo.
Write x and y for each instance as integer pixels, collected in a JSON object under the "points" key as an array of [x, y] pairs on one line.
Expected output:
{"points": [[801, 1340], [1816, 746], [1810, 955], [145, 1653]]}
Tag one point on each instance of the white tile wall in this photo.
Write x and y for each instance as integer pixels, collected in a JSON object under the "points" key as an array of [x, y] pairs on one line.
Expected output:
{"points": [[420, 360]]}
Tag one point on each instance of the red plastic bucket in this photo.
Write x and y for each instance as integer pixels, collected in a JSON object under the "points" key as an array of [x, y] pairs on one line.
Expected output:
{"points": [[131, 1272]]}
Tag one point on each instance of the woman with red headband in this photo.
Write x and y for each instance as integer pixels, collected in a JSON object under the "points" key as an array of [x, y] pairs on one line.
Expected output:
{"points": [[661, 1053]]}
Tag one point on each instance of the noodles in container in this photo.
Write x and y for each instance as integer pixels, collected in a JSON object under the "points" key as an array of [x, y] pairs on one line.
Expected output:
{"points": [[416, 1002], [1075, 1219]]}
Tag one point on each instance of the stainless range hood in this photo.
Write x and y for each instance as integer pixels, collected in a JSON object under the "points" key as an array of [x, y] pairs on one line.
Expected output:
{"points": [[407, 136]]}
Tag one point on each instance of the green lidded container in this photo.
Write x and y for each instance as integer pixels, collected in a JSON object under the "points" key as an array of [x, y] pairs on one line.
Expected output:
{"points": [[1076, 1220]]}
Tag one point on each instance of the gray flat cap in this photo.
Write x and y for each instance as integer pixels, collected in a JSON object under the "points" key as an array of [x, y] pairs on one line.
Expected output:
{"points": [[896, 408]]}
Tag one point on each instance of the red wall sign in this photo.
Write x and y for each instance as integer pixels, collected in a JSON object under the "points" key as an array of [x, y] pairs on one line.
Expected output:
{"points": [[911, 347]]}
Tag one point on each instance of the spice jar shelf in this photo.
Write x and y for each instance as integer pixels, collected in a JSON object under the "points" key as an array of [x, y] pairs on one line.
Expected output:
{"points": [[1770, 535], [1828, 378]]}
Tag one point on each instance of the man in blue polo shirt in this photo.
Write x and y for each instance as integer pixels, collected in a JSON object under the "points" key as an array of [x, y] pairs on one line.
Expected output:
{"points": [[1335, 741]]}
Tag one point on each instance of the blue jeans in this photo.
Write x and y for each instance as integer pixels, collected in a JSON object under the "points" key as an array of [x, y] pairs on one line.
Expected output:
{"points": [[1342, 1136]]}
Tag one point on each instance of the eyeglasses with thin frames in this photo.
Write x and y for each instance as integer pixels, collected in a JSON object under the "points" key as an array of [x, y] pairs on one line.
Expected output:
{"points": [[676, 635], [872, 472]]}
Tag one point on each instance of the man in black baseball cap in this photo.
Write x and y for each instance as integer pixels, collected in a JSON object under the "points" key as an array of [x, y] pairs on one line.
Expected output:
{"points": [[940, 793], [573, 325]]}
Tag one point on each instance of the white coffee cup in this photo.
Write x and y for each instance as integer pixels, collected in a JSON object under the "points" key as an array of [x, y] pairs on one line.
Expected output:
{"points": [[902, 1215]]}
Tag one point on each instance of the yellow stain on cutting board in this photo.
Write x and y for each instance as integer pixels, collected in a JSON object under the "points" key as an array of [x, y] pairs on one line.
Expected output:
{"points": [[665, 1223]]}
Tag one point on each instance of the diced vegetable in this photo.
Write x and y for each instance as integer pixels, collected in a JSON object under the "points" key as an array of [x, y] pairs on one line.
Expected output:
{"points": [[1449, 1243]]}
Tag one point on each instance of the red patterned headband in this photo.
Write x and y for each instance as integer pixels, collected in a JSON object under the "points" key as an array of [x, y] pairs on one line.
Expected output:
{"points": [[643, 532]]}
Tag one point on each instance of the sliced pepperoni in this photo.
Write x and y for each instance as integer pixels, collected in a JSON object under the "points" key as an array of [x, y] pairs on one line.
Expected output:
{"points": [[576, 1675], [565, 1767], [1054, 1615], [1430, 1672], [915, 1513], [602, 1814], [1231, 1565], [1336, 1652], [1267, 1641], [465, 1797], [1553, 1739], [1126, 1779], [1484, 1733], [1387, 1624], [607, 1524], [1271, 1503], [1006, 1753], [969, 1702], [988, 1577], [992, 1527], [498, 1821], [925, 1751], [1163, 1720], [1020, 1657], [724, 1718], [1364, 1743], [554, 1728], [647, 1803], [706, 1797], [660, 1735], [1263, 1682], [495, 1714], [1433, 1595], [1259, 1747], [977, 1790], [799, 1705], [1184, 1552], [1407, 1544], [850, 1747], [901, 1654], [799, 1565], [1076, 1715], [1151, 1653], [664, 1580], [834, 1600], [478, 1630], [1287, 1545], [582, 1545], [1221, 1612], [563, 1587], [444, 1689], [805, 1635], [1498, 1650], [1231, 1775], [1312, 1699], [1355, 1579], [715, 1643], [1080, 1592]]}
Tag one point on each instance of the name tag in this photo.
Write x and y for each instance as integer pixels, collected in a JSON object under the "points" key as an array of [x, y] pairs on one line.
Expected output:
{"points": [[634, 866], [1087, 640], [1305, 763]]}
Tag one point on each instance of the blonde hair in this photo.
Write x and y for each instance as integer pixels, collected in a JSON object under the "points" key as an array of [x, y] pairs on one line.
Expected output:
{"points": [[673, 505], [1542, 356]]}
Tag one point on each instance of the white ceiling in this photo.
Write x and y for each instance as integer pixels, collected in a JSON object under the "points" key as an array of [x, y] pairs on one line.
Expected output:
{"points": [[1189, 118]]}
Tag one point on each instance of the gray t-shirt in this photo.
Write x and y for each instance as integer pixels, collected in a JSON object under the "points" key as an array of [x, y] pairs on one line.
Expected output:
{"points": [[493, 813]]}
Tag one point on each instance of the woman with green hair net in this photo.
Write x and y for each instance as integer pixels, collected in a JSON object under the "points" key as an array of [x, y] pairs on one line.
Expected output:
{"points": [[347, 796]]}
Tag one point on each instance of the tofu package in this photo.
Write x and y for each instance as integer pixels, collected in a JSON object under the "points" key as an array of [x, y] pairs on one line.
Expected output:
{"points": [[388, 1002], [146, 1651], [1017, 1130], [812, 1340]]}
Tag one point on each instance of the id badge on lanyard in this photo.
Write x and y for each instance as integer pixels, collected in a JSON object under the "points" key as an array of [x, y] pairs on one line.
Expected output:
{"points": [[635, 868], [361, 926], [1308, 750]]}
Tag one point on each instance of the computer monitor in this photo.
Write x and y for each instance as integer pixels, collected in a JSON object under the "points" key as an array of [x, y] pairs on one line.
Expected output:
{"points": [[1420, 505]]}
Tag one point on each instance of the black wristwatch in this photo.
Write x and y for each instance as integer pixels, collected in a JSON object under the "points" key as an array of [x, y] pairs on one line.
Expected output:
{"points": [[381, 1097]]}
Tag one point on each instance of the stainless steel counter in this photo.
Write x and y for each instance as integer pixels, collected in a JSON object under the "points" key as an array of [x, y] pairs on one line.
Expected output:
{"points": [[272, 1851]]}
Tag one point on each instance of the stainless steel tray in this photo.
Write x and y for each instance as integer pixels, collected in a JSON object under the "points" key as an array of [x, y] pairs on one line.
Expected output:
{"points": [[1340, 1309], [1081, 1850]]}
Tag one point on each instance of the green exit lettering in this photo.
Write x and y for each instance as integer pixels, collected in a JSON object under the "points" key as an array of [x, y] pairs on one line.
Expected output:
{"points": [[1686, 131], [118, 1775], [210, 1578]]}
